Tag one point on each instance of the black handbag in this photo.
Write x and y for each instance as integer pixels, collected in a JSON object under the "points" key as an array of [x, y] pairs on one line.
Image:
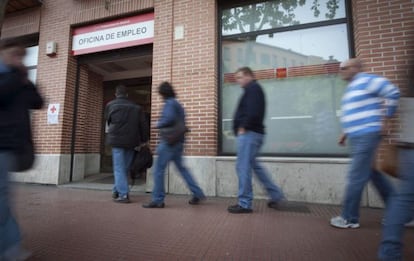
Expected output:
{"points": [[174, 133]]}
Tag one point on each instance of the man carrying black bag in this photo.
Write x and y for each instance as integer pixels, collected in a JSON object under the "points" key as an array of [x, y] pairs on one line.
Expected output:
{"points": [[17, 96]]}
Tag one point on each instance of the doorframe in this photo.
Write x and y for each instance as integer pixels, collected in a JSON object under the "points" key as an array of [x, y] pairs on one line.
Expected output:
{"points": [[110, 55]]}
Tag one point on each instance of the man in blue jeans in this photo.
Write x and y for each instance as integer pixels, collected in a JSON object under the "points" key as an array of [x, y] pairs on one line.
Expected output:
{"points": [[400, 209], [249, 128], [127, 129], [367, 103]]}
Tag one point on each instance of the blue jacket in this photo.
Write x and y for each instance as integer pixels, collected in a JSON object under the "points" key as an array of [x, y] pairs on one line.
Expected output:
{"points": [[251, 109]]}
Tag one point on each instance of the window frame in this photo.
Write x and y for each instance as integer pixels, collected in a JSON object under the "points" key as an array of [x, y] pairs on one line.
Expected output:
{"points": [[223, 5]]}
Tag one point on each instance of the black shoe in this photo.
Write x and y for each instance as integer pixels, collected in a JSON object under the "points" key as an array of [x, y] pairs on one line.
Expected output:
{"points": [[278, 205], [115, 195], [237, 209], [122, 199], [153, 205], [196, 200]]}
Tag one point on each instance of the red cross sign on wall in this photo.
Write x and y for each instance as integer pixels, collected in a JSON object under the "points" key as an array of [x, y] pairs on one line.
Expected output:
{"points": [[53, 113]]}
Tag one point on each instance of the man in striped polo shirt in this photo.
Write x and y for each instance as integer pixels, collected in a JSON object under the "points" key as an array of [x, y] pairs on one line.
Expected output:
{"points": [[369, 101]]}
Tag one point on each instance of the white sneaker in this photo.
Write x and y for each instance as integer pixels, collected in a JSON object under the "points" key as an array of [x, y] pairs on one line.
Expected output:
{"points": [[340, 222]]}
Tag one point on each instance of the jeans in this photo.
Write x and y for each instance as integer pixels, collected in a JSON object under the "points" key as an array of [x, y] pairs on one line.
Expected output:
{"points": [[248, 147], [167, 153], [9, 229], [363, 150], [122, 159], [400, 209]]}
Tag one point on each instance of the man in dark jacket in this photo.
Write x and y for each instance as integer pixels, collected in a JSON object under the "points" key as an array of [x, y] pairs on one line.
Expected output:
{"points": [[17, 96], [249, 128], [127, 129]]}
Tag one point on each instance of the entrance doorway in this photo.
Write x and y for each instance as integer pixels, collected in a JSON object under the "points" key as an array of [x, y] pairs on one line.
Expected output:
{"points": [[139, 92], [131, 67]]}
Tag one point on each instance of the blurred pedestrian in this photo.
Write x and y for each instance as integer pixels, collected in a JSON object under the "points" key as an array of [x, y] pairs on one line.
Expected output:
{"points": [[363, 119], [17, 96], [127, 129], [172, 129], [400, 209], [249, 128]]}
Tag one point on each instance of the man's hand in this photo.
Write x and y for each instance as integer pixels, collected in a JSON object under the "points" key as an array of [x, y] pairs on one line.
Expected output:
{"points": [[241, 131], [342, 140]]}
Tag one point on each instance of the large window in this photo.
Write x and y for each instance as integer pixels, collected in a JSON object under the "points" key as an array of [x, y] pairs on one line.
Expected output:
{"points": [[300, 45]]}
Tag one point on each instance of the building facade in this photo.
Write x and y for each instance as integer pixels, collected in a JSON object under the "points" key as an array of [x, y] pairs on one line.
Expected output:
{"points": [[79, 50]]}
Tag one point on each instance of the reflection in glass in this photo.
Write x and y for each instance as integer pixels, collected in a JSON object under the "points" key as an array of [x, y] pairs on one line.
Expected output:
{"points": [[274, 14], [302, 115], [30, 60], [303, 107], [32, 75], [300, 47], [31, 56]]}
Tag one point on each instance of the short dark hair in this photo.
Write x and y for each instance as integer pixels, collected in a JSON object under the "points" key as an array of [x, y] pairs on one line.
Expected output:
{"points": [[246, 71], [166, 90], [121, 91], [10, 43]]}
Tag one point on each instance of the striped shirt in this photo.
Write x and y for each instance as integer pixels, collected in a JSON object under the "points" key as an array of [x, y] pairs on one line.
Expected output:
{"points": [[367, 99]]}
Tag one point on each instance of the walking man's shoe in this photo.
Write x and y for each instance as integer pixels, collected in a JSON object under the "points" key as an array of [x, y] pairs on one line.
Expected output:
{"points": [[277, 205], [340, 222], [153, 205], [122, 199], [237, 209], [196, 200], [115, 195]]}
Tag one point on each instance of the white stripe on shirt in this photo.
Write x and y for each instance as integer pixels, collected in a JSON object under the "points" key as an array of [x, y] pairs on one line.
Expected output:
{"points": [[361, 115]]}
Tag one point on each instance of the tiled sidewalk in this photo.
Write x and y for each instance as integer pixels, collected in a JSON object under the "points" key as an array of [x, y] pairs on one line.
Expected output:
{"points": [[70, 224]]}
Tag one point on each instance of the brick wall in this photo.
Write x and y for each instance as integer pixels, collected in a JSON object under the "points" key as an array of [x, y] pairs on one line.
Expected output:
{"points": [[90, 112], [190, 64], [21, 23], [384, 37], [384, 40], [92, 10], [57, 75], [53, 78], [162, 57]]}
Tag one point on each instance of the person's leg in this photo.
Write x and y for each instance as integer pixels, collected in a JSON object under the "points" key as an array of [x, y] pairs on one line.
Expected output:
{"points": [[400, 209], [274, 191], [188, 178], [382, 185], [164, 156], [9, 230], [362, 153], [119, 156], [245, 157]]}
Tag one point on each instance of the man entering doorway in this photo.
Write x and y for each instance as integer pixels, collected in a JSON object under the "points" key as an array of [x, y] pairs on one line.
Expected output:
{"points": [[127, 129], [249, 128]]}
